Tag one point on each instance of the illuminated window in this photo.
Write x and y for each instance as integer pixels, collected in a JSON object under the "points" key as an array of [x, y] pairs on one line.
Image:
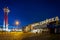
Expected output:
{"points": [[52, 19], [49, 20], [57, 18]]}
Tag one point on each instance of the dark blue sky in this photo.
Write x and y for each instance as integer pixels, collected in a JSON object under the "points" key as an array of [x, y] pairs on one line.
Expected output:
{"points": [[29, 11]]}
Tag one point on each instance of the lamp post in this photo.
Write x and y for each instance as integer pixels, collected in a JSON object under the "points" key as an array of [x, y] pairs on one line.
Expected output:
{"points": [[17, 23]]}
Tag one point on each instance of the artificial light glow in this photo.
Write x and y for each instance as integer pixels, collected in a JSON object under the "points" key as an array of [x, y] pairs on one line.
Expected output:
{"points": [[17, 22]]}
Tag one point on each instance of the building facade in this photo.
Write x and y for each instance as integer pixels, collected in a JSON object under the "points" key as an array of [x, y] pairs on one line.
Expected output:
{"points": [[42, 26]]}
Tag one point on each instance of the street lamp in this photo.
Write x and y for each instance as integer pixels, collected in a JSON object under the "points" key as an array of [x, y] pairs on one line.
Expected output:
{"points": [[17, 23]]}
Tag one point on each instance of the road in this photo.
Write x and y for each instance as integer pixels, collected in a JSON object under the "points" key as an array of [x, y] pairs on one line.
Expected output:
{"points": [[27, 36], [14, 35]]}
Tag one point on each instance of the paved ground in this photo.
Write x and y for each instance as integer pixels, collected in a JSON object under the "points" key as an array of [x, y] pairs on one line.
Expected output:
{"points": [[44, 37], [27, 36], [14, 35]]}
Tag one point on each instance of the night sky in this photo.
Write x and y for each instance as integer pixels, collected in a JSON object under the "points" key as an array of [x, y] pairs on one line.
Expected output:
{"points": [[29, 11]]}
